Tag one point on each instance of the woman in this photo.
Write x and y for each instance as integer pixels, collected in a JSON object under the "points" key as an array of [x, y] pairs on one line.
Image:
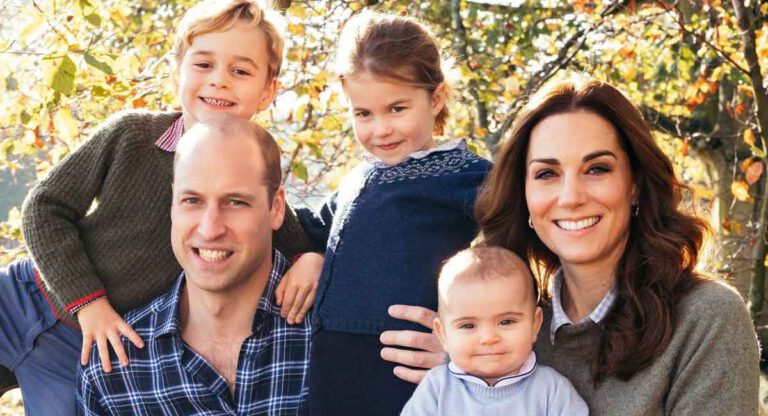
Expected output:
{"points": [[629, 321]]}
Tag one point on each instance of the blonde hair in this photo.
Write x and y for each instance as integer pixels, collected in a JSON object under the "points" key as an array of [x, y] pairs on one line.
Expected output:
{"points": [[220, 15]]}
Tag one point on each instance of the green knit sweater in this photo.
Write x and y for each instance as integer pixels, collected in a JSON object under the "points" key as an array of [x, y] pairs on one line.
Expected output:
{"points": [[100, 221], [709, 368]]}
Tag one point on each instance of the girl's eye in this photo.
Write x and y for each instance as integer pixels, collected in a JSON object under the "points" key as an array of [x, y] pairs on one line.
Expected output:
{"points": [[398, 108], [544, 174], [363, 114], [467, 325], [598, 169]]}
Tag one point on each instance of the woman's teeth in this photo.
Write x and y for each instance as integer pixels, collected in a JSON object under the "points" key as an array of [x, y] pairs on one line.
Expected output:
{"points": [[578, 225]]}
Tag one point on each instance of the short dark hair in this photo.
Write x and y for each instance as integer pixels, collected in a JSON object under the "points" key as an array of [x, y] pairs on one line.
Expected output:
{"points": [[231, 126]]}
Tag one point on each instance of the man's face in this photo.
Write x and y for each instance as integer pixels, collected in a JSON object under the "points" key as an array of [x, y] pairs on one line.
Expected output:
{"points": [[222, 219]]}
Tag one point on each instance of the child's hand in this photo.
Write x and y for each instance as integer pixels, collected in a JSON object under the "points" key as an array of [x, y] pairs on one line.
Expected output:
{"points": [[297, 288], [102, 324]]}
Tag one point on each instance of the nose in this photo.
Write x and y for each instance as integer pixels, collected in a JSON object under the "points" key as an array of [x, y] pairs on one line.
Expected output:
{"points": [[219, 78], [212, 224], [382, 127], [488, 335], [572, 192]]}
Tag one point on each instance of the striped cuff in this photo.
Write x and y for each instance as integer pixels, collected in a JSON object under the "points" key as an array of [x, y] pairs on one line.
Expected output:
{"points": [[75, 306]]}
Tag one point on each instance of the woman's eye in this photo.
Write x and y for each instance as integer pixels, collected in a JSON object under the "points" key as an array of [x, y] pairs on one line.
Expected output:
{"points": [[598, 170], [544, 174]]}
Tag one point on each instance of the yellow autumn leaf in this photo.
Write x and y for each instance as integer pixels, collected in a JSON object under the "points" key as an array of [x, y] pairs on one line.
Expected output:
{"points": [[66, 124], [296, 29], [355, 6], [740, 190], [749, 137], [297, 10]]}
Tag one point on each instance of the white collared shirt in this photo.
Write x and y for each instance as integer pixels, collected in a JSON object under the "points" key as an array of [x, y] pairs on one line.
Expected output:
{"points": [[525, 370], [559, 318]]}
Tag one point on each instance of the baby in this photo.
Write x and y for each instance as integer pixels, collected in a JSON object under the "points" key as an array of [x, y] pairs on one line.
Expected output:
{"points": [[488, 320]]}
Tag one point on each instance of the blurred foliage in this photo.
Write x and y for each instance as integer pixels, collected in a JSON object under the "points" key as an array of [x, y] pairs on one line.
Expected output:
{"points": [[66, 66]]}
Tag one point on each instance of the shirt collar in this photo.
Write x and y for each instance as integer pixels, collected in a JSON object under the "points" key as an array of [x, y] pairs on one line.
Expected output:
{"points": [[420, 154], [170, 139], [167, 305], [559, 318], [525, 370]]}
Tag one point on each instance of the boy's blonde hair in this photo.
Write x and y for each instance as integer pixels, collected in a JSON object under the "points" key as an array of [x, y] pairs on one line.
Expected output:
{"points": [[220, 15], [483, 263]]}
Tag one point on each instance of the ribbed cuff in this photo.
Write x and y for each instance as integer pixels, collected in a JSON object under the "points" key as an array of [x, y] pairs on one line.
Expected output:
{"points": [[75, 306]]}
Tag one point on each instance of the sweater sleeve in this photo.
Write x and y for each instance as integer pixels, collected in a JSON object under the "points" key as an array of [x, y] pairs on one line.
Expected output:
{"points": [[717, 369], [317, 225], [55, 205], [424, 399], [290, 238]]}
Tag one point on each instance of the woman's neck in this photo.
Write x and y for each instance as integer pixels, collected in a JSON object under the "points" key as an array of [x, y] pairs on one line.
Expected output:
{"points": [[583, 288]]}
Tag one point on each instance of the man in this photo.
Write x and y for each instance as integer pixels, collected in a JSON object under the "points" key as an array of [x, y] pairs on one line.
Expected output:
{"points": [[215, 342]]}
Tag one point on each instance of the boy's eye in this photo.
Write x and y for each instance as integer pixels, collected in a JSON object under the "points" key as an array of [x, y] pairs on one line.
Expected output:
{"points": [[238, 71]]}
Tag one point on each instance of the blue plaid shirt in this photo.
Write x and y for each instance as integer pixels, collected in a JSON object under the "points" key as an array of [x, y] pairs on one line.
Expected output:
{"points": [[167, 378]]}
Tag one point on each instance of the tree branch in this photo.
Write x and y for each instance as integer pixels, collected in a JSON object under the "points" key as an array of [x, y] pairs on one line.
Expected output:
{"points": [[461, 34]]}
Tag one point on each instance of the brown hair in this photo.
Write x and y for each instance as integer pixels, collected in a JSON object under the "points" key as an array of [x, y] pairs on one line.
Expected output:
{"points": [[220, 15], [237, 128], [484, 263], [397, 47], [657, 267]]}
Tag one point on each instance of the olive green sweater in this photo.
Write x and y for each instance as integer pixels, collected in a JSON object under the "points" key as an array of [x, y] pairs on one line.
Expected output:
{"points": [[100, 221], [709, 368]]}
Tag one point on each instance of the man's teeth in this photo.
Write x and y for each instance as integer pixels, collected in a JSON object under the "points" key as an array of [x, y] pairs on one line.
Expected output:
{"points": [[214, 101], [212, 255], [578, 225]]}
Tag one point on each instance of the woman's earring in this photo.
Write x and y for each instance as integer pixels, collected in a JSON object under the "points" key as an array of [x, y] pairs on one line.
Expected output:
{"points": [[530, 222], [635, 209]]}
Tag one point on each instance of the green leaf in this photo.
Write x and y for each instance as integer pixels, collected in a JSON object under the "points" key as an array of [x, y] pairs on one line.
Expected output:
{"points": [[101, 66], [25, 117], [99, 91], [299, 169], [93, 19], [63, 79], [11, 84]]}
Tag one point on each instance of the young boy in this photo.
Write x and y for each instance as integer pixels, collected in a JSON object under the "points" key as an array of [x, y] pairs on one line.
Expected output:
{"points": [[94, 261], [488, 321]]}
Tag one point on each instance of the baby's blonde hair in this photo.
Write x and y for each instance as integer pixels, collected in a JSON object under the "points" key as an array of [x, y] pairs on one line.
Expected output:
{"points": [[220, 15]]}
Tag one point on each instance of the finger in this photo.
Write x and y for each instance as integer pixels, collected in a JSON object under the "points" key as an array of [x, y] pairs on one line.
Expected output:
{"points": [[117, 345], [409, 374], [416, 359], [132, 335], [298, 303], [417, 314], [280, 290], [288, 298], [412, 339], [86, 351], [308, 301], [101, 345]]}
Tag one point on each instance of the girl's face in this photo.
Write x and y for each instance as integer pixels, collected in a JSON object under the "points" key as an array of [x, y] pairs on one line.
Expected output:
{"points": [[392, 119], [579, 189]]}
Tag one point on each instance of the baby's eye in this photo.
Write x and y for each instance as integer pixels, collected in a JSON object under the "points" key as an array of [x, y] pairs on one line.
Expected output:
{"points": [[505, 322], [202, 65], [467, 325]]}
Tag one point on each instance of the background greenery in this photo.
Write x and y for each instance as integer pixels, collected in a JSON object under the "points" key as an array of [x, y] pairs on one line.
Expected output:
{"points": [[696, 68]]}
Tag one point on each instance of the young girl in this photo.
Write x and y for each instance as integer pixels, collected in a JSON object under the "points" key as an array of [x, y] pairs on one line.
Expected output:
{"points": [[394, 218]]}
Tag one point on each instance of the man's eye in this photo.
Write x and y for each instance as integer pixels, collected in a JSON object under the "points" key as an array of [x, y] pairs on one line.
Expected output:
{"points": [[237, 203], [190, 201]]}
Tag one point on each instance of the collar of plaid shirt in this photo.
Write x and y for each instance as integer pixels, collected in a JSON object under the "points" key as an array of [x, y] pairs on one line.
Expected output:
{"points": [[170, 139], [559, 318]]}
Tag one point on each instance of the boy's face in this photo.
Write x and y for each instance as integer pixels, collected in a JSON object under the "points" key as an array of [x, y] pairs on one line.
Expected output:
{"points": [[225, 73], [488, 327]]}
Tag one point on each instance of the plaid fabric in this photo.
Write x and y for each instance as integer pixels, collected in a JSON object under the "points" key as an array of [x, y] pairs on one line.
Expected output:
{"points": [[559, 318], [167, 378], [170, 138]]}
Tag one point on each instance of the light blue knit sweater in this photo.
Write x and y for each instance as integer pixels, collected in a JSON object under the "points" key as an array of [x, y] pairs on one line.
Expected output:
{"points": [[543, 392]]}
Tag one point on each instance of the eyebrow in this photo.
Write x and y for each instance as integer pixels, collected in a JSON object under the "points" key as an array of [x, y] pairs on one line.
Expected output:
{"points": [[512, 313], [229, 195], [392, 104], [586, 158], [238, 58]]}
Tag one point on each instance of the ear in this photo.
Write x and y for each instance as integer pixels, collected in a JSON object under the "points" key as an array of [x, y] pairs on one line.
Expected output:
{"points": [[538, 317], [439, 330], [438, 99], [269, 93], [277, 211]]}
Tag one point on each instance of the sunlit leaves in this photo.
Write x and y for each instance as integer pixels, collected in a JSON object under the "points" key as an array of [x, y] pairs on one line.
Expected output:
{"points": [[62, 74]]}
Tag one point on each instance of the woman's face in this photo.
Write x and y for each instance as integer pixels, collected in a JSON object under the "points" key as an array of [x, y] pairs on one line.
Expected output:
{"points": [[579, 189]]}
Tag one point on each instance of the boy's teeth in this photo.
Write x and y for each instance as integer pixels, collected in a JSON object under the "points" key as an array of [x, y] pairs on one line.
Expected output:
{"points": [[214, 101], [212, 255], [578, 225]]}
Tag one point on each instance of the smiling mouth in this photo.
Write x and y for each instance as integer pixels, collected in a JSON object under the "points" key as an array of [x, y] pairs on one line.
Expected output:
{"points": [[212, 256], [217, 102], [389, 146], [578, 225]]}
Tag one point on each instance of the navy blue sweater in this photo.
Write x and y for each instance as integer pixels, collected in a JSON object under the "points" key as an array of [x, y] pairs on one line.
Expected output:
{"points": [[386, 232]]}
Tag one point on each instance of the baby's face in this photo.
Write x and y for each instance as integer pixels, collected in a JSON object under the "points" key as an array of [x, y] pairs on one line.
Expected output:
{"points": [[488, 327]]}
